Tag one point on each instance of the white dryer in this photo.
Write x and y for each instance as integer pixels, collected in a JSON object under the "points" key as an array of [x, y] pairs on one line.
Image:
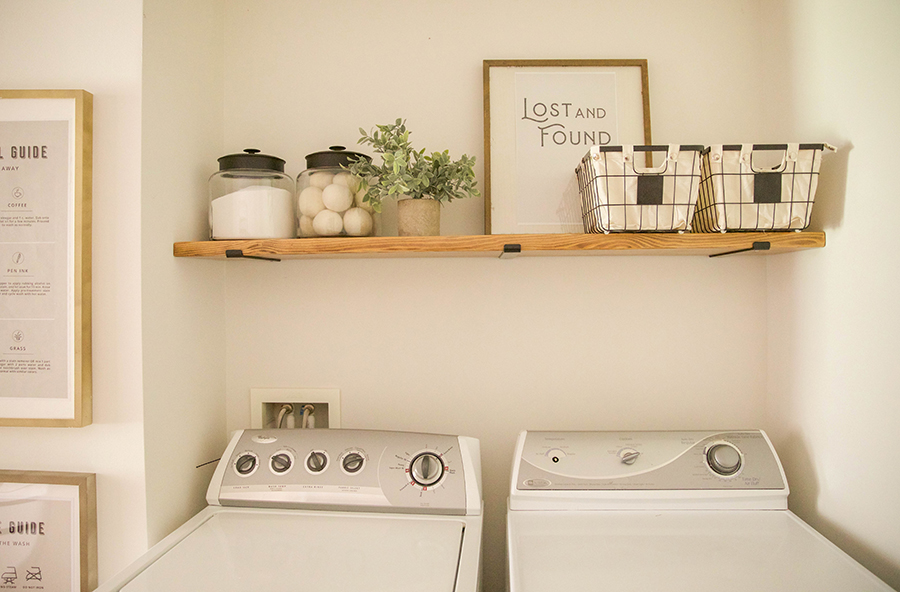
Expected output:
{"points": [[674, 511], [327, 511]]}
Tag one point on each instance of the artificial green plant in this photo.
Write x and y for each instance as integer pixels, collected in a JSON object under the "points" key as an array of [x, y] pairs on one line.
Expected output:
{"points": [[407, 172]]}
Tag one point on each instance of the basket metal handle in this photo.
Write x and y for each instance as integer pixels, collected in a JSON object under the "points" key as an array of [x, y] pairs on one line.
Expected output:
{"points": [[790, 155], [672, 153]]}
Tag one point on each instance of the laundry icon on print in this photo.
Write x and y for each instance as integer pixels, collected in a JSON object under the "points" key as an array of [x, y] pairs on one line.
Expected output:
{"points": [[33, 574], [10, 575]]}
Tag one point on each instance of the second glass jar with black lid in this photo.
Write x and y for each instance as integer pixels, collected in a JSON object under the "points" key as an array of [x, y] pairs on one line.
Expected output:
{"points": [[330, 200]]}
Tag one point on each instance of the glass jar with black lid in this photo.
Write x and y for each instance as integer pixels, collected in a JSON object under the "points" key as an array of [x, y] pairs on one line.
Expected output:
{"points": [[330, 199], [251, 197]]}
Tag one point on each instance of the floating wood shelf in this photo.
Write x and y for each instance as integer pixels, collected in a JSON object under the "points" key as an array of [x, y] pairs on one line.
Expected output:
{"points": [[496, 245]]}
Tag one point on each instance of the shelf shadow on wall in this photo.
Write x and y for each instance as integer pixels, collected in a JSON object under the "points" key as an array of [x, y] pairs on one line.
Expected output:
{"points": [[828, 209]]}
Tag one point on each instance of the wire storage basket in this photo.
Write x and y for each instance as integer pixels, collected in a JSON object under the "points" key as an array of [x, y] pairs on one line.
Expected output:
{"points": [[620, 195], [758, 187]]}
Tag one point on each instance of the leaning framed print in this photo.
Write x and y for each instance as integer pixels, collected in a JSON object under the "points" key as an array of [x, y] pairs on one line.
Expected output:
{"points": [[45, 257], [540, 118], [48, 531]]}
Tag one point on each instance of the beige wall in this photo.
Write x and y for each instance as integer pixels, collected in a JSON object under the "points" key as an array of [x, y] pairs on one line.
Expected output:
{"points": [[833, 400], [96, 45], [184, 337]]}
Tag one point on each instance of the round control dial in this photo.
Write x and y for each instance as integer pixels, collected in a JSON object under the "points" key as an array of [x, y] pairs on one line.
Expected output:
{"points": [[628, 456], [353, 462], [246, 464], [426, 469], [281, 462], [724, 459], [316, 461], [555, 455]]}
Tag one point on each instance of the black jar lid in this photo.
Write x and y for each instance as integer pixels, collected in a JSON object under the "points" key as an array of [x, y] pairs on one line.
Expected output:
{"points": [[335, 156], [251, 159]]}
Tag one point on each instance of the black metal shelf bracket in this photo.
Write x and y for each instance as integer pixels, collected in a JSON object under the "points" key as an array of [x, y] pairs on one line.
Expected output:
{"points": [[756, 246], [511, 250], [239, 254]]}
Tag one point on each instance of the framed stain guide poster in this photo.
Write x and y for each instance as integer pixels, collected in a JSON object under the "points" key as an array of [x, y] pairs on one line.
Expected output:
{"points": [[45, 257], [48, 531]]}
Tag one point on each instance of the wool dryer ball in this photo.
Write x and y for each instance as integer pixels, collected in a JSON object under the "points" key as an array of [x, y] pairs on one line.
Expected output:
{"points": [[328, 223], [347, 180], [337, 198], [358, 222], [321, 179], [309, 202]]}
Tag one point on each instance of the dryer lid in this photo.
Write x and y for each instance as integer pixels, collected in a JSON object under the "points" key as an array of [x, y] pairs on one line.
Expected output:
{"points": [[677, 551]]}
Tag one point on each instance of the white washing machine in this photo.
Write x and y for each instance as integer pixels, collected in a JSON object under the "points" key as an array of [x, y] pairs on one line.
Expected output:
{"points": [[327, 511], [673, 511]]}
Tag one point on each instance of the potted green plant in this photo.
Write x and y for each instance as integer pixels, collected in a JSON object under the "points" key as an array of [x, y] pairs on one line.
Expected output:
{"points": [[422, 182]]}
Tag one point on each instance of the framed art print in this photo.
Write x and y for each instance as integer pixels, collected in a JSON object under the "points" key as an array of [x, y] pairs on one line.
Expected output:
{"points": [[540, 118], [45, 257]]}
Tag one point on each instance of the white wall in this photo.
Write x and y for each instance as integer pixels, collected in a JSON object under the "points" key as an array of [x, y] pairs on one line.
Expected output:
{"points": [[183, 299], [834, 321], [485, 347], [96, 45]]}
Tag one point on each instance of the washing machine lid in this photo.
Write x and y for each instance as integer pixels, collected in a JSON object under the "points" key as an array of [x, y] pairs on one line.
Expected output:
{"points": [[677, 550], [238, 550]]}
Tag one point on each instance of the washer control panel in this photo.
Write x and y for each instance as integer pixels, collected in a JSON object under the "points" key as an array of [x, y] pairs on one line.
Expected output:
{"points": [[647, 461], [348, 470]]}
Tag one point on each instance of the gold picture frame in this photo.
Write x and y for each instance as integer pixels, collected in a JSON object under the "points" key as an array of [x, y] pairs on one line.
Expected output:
{"points": [[48, 530], [46, 139], [538, 115]]}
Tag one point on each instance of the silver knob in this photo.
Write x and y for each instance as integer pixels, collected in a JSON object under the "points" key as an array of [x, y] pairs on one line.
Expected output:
{"points": [[353, 462], [427, 469], [724, 459], [316, 461], [245, 464], [281, 462]]}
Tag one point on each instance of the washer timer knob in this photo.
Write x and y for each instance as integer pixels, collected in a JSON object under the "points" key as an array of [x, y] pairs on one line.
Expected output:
{"points": [[427, 469], [724, 459]]}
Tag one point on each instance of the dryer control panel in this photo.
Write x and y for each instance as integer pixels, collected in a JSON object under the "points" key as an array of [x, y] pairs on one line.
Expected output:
{"points": [[600, 470], [350, 470]]}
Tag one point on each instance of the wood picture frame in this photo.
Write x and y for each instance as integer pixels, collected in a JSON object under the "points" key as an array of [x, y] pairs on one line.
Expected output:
{"points": [[45, 258], [48, 530], [540, 118]]}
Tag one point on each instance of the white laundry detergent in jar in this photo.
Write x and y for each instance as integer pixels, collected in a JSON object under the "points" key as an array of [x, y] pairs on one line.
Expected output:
{"points": [[254, 212], [250, 197]]}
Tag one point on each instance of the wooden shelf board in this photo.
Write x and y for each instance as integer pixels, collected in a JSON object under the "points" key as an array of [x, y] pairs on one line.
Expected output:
{"points": [[493, 245]]}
